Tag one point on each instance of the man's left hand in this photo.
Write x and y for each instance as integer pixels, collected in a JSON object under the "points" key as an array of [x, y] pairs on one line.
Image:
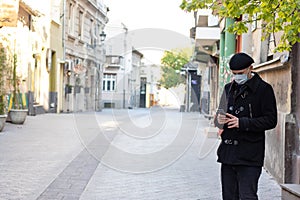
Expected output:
{"points": [[232, 121]]}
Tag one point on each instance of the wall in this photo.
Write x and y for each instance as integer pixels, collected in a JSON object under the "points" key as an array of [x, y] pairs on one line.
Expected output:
{"points": [[279, 76], [57, 57], [293, 152]]}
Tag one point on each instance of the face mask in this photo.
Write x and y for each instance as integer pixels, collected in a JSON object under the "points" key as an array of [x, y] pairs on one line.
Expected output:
{"points": [[240, 78]]}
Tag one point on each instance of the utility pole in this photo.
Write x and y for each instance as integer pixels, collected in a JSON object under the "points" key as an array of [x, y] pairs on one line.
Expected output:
{"points": [[124, 62]]}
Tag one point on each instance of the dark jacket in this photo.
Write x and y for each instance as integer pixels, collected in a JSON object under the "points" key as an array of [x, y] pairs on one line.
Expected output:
{"points": [[254, 104]]}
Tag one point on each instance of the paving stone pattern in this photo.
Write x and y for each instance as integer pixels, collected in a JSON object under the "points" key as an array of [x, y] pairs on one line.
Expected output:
{"points": [[68, 156]]}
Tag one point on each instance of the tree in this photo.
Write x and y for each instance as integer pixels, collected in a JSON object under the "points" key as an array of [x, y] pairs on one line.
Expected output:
{"points": [[172, 62], [3, 77], [276, 15]]}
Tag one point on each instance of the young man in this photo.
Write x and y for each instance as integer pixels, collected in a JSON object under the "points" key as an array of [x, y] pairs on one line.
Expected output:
{"points": [[247, 108]]}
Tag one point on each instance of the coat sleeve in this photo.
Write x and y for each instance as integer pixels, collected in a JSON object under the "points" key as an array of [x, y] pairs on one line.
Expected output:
{"points": [[268, 118]]}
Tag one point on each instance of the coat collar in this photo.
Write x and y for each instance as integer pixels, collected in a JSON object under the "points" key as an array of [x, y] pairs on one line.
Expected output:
{"points": [[252, 83]]}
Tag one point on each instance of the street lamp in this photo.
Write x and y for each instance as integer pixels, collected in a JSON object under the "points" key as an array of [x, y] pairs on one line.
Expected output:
{"points": [[102, 36]]}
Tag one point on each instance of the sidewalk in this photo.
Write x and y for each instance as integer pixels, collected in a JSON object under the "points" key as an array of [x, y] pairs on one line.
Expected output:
{"points": [[58, 157]]}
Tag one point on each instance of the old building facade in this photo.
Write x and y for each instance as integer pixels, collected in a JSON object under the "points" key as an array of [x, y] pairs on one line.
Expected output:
{"points": [[27, 39], [60, 56], [84, 54]]}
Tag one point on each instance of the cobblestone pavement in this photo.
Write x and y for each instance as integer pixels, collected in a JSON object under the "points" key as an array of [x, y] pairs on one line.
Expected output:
{"points": [[114, 154]]}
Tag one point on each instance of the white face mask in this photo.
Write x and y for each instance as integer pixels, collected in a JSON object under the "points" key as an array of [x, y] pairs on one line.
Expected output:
{"points": [[240, 78]]}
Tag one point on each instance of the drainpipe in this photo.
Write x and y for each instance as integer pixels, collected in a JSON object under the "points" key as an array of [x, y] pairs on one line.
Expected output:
{"points": [[124, 75], [221, 65], [63, 30], [227, 48], [230, 46]]}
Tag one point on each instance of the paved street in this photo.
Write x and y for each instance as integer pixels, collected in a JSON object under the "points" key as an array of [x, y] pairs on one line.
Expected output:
{"points": [[114, 154]]}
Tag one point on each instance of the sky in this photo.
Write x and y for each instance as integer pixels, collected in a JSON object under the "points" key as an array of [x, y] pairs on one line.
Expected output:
{"points": [[136, 14], [157, 14], [143, 14]]}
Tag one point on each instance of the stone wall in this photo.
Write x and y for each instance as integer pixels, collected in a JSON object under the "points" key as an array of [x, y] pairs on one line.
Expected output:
{"points": [[279, 76]]}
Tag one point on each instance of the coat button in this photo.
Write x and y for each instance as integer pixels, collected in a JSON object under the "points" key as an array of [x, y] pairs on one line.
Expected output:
{"points": [[242, 108]]}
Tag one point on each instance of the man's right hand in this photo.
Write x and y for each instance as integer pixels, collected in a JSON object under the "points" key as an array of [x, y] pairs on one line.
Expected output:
{"points": [[222, 119]]}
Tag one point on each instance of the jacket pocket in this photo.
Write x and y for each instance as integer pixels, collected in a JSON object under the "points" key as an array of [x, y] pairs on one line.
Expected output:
{"points": [[223, 153], [251, 148]]}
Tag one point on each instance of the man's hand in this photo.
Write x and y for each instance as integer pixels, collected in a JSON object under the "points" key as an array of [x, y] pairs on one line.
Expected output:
{"points": [[233, 121], [222, 119]]}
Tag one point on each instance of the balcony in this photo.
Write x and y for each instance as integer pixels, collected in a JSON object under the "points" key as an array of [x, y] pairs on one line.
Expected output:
{"points": [[114, 62], [207, 36], [207, 39]]}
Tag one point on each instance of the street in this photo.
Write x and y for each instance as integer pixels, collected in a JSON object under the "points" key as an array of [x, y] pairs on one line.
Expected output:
{"points": [[138, 154]]}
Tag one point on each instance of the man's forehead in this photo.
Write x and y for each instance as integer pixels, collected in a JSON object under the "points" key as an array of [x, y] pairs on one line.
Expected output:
{"points": [[239, 71], [242, 70]]}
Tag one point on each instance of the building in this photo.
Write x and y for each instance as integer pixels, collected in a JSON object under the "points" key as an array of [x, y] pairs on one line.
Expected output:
{"points": [[60, 56], [207, 36], [84, 54], [55, 57], [281, 70], [136, 86], [26, 37], [121, 79], [149, 89]]}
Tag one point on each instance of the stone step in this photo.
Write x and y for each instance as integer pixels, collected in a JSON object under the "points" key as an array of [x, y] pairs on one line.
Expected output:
{"points": [[39, 109], [290, 191]]}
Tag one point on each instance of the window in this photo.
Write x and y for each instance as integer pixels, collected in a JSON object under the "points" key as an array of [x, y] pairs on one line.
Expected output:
{"points": [[80, 18], [109, 82], [70, 18], [92, 33]]}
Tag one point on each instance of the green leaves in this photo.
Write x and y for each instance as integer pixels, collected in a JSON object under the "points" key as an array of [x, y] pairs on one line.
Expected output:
{"points": [[238, 28], [276, 15], [193, 5], [175, 59], [170, 77], [172, 62], [4, 70]]}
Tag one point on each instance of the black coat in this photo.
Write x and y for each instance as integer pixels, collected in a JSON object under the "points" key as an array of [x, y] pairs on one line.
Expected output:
{"points": [[254, 104]]}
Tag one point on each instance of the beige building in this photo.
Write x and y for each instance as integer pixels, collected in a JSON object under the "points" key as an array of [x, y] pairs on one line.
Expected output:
{"points": [[28, 38], [281, 70], [55, 57], [59, 51]]}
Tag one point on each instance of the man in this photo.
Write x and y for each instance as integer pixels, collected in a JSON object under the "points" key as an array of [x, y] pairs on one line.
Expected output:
{"points": [[247, 108]]}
